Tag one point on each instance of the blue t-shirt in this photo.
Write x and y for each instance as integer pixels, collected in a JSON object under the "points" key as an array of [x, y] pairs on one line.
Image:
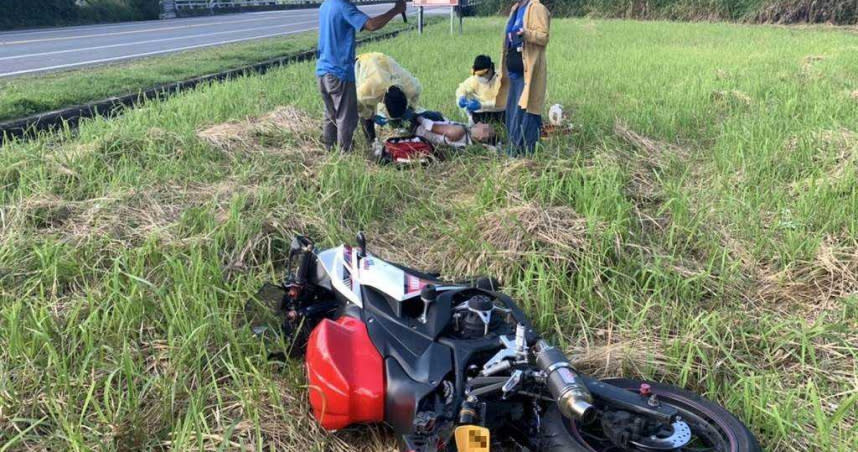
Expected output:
{"points": [[516, 23], [338, 21], [513, 40]]}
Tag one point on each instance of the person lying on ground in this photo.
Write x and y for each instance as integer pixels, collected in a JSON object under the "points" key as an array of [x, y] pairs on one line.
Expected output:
{"points": [[454, 134], [338, 22], [431, 125], [476, 95], [376, 73]]}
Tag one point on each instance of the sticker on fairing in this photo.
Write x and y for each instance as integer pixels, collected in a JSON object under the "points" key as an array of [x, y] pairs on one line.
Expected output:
{"points": [[413, 285]]}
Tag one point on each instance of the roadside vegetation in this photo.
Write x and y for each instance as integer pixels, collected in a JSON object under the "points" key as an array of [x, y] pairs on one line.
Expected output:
{"points": [[697, 227], [51, 13], [757, 11], [29, 95]]}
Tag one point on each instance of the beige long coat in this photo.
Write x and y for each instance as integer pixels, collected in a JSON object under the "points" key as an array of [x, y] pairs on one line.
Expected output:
{"points": [[537, 21]]}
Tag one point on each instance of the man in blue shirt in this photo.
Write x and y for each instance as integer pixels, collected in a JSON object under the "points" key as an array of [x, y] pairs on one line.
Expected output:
{"points": [[335, 66]]}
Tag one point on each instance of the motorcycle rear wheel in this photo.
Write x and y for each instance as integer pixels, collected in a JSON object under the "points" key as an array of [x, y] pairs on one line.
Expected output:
{"points": [[705, 418]]}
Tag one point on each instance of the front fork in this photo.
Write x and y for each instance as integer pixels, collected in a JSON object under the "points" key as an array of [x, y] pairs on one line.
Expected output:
{"points": [[303, 304]]}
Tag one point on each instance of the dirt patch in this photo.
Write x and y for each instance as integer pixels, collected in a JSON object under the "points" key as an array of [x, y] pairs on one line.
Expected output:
{"points": [[810, 59]]}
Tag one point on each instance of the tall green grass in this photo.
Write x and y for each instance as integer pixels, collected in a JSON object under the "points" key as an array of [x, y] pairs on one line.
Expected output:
{"points": [[706, 203]]}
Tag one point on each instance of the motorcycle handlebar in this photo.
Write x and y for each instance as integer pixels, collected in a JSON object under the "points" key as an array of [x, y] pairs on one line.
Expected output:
{"points": [[305, 262]]}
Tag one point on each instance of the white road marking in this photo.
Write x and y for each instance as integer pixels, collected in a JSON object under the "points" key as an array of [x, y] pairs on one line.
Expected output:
{"points": [[156, 52], [84, 49], [268, 14], [147, 30]]}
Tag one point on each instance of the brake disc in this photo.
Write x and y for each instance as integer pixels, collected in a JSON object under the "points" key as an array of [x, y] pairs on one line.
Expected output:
{"points": [[679, 437]]}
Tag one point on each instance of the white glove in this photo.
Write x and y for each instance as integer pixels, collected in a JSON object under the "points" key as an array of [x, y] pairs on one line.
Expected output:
{"points": [[426, 123], [555, 115], [377, 148]]}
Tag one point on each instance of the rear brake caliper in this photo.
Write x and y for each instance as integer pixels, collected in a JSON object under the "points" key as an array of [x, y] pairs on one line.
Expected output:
{"points": [[626, 429]]}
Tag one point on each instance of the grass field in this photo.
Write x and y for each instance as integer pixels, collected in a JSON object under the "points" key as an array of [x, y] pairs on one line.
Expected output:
{"points": [[28, 95], [699, 227]]}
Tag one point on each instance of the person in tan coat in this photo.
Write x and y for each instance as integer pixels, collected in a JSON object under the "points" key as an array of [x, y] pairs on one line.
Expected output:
{"points": [[524, 74]]}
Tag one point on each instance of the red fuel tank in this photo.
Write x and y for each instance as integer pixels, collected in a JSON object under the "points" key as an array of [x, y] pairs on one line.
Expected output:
{"points": [[346, 374]]}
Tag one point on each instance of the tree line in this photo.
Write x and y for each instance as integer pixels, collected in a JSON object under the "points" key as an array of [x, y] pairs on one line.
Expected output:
{"points": [[39, 13], [760, 11]]}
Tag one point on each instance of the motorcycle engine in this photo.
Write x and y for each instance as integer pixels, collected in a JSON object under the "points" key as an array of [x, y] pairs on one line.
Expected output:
{"points": [[477, 316]]}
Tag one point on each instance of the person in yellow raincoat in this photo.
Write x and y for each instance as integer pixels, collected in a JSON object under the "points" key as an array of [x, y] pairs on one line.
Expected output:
{"points": [[376, 73], [476, 95]]}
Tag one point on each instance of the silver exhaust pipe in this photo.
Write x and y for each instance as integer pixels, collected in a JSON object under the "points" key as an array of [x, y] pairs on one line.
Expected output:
{"points": [[572, 396]]}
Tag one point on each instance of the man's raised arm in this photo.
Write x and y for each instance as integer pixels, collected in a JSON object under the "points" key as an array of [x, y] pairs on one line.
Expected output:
{"points": [[378, 22]]}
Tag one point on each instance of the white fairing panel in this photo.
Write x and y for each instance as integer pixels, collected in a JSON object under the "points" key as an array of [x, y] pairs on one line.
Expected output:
{"points": [[379, 274], [335, 264], [348, 273]]}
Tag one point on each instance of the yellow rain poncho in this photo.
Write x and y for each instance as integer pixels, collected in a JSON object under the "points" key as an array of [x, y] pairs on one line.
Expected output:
{"points": [[376, 72], [475, 88]]}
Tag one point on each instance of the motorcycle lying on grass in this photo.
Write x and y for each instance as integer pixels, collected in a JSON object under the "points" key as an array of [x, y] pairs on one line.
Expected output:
{"points": [[456, 365]]}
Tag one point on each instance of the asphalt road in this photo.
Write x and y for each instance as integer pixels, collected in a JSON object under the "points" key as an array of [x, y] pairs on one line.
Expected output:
{"points": [[33, 51]]}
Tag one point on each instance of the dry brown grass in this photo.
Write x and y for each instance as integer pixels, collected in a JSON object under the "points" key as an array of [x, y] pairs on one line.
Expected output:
{"points": [[618, 356], [265, 134], [650, 158], [731, 98], [128, 217], [835, 153], [812, 287], [227, 135], [508, 236]]}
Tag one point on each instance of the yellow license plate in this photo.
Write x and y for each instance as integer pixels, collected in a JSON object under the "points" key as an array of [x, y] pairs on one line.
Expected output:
{"points": [[472, 438]]}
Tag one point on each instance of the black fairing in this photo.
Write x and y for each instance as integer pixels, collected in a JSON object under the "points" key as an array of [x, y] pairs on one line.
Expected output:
{"points": [[402, 396], [416, 356], [415, 364], [410, 342]]}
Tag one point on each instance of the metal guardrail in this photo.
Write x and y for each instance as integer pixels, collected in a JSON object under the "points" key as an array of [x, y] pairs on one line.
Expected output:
{"points": [[215, 4], [212, 4], [170, 9]]}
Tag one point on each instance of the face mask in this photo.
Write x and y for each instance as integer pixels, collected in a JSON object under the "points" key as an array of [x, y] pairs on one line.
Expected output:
{"points": [[484, 79]]}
